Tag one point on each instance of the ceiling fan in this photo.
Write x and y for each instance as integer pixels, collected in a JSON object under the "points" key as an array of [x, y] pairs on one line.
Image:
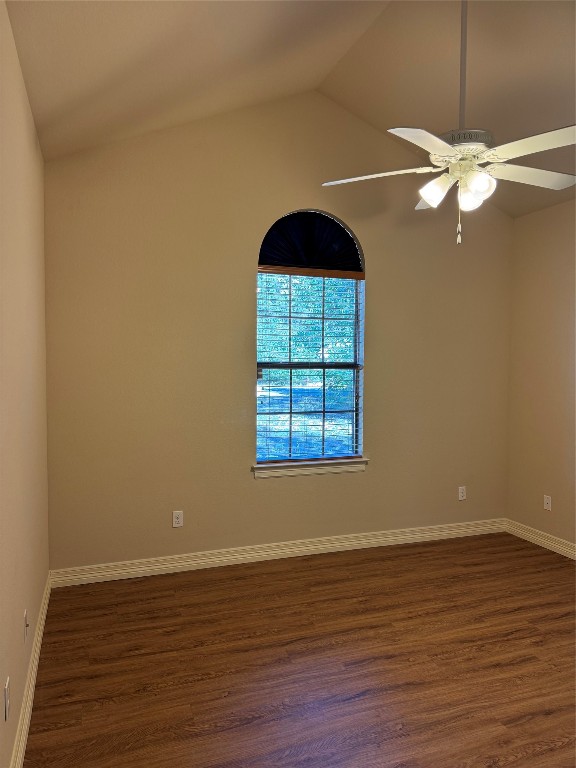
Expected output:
{"points": [[468, 158]]}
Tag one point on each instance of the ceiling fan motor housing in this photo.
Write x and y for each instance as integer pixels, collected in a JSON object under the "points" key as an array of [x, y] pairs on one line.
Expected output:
{"points": [[473, 137], [468, 143]]}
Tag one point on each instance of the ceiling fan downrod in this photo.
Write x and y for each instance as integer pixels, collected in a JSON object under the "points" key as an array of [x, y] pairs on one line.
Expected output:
{"points": [[463, 52], [462, 104]]}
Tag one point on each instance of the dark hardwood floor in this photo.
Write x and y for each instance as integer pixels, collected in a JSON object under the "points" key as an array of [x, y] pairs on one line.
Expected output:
{"points": [[447, 654]]}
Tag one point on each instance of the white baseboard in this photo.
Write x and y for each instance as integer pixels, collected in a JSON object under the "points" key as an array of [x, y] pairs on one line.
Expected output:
{"points": [[28, 699], [210, 559], [173, 563], [561, 546]]}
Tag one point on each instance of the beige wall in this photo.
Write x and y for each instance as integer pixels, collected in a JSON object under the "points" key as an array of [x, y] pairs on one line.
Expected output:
{"points": [[152, 246], [23, 485], [542, 436]]}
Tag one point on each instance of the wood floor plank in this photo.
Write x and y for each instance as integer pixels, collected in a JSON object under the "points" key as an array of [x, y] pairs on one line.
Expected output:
{"points": [[448, 654]]}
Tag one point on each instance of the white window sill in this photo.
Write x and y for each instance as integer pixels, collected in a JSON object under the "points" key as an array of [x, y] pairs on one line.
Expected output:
{"points": [[287, 469]]}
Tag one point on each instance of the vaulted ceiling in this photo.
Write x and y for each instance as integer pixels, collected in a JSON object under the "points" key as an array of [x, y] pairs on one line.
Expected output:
{"points": [[99, 70]]}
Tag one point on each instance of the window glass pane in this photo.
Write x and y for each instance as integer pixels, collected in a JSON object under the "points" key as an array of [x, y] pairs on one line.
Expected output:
{"points": [[307, 390], [340, 298], [339, 341], [273, 391], [307, 436], [339, 434], [339, 391], [307, 296], [273, 339], [273, 437], [273, 295], [306, 341]]}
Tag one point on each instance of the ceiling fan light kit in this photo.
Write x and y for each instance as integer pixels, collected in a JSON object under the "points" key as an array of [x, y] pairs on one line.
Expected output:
{"points": [[481, 184], [474, 183], [467, 200], [436, 190], [468, 159]]}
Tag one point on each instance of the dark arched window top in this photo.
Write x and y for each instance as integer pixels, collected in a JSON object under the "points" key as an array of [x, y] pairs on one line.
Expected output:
{"points": [[307, 242]]}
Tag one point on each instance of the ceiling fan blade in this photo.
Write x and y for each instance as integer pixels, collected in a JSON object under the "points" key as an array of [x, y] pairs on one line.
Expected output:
{"points": [[539, 143], [432, 144], [426, 169], [534, 176], [422, 205]]}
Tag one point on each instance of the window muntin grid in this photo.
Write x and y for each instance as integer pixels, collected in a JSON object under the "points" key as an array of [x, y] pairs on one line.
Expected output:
{"points": [[310, 367]]}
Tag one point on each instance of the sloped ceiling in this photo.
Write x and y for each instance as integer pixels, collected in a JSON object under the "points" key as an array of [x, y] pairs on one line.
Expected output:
{"points": [[98, 71], [101, 70]]}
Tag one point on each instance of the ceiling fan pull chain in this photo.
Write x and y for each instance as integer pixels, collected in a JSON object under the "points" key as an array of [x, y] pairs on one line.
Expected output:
{"points": [[459, 229]]}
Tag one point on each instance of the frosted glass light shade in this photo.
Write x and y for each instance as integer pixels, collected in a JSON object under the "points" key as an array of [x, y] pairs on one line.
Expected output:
{"points": [[435, 191], [467, 200], [480, 183]]}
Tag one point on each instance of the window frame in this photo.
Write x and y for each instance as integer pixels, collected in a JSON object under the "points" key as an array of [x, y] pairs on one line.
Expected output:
{"points": [[322, 465]]}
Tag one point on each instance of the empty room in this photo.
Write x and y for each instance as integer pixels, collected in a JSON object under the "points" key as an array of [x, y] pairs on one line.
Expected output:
{"points": [[287, 383]]}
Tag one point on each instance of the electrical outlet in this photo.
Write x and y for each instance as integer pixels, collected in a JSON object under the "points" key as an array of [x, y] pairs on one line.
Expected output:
{"points": [[7, 699], [462, 493], [177, 519], [548, 503], [26, 625]]}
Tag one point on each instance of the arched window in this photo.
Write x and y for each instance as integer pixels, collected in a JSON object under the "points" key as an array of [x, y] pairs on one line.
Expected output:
{"points": [[310, 341]]}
